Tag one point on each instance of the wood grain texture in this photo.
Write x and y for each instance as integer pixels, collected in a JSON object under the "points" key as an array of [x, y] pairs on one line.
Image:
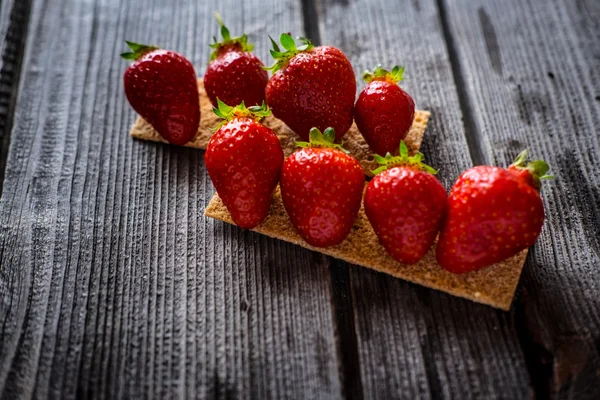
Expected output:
{"points": [[113, 283], [414, 342], [532, 69], [14, 16]]}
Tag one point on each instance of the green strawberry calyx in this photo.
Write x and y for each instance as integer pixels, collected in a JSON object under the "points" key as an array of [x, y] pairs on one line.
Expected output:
{"points": [[403, 159], [537, 169], [228, 113], [137, 50], [240, 41], [291, 49], [379, 74], [322, 140]]}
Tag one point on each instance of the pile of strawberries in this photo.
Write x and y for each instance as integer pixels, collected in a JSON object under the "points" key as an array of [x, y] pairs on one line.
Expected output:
{"points": [[490, 214]]}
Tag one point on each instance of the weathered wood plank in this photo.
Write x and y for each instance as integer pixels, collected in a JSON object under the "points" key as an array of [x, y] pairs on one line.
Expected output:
{"points": [[115, 284], [414, 342], [532, 79], [14, 16]]}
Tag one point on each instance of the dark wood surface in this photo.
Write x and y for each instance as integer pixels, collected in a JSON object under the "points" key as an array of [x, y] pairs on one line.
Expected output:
{"points": [[113, 284]]}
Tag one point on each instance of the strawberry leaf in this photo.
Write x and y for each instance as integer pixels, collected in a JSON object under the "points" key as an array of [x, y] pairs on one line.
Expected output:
{"points": [[538, 168], [316, 136], [274, 43], [289, 45], [306, 44], [329, 134], [403, 149], [380, 74], [227, 113], [138, 50], [322, 140], [224, 30], [240, 42], [287, 42], [403, 159]]}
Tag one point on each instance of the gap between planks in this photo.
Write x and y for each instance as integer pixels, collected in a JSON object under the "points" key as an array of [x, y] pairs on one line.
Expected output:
{"points": [[535, 358], [347, 346], [474, 140]]}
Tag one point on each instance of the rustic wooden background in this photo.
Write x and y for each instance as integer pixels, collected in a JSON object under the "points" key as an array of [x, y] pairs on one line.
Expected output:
{"points": [[114, 285]]}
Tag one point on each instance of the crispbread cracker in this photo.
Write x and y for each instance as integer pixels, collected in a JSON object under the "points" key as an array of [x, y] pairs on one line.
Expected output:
{"points": [[494, 286], [353, 140]]}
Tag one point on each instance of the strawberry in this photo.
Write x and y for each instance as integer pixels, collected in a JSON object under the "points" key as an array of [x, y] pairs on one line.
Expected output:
{"points": [[243, 160], [322, 187], [405, 204], [311, 87], [493, 214], [234, 74], [161, 86], [384, 112]]}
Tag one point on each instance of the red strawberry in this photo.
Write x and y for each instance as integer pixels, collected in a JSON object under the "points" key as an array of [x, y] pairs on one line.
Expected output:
{"points": [[405, 204], [161, 86], [493, 214], [234, 74], [243, 160], [384, 112], [322, 188], [311, 87]]}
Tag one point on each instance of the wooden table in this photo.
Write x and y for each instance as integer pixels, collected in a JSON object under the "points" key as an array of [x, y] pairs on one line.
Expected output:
{"points": [[114, 285]]}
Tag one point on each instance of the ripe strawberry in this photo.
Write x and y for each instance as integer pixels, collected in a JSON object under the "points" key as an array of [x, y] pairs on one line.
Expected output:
{"points": [[244, 160], [322, 188], [161, 86], [311, 87], [405, 204], [234, 74], [384, 112], [492, 214]]}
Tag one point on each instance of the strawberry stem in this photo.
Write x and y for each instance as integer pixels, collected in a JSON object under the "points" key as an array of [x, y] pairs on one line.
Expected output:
{"points": [[322, 140], [403, 159], [240, 41], [537, 168], [228, 113], [380, 74], [138, 50], [291, 49]]}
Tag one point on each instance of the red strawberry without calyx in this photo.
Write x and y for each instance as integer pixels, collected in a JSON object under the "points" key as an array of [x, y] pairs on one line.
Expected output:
{"points": [[311, 87], [244, 160], [234, 74], [161, 86], [492, 214], [384, 112], [322, 187], [405, 204]]}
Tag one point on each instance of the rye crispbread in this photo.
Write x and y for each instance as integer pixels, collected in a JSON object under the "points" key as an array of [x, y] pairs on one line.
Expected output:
{"points": [[352, 141], [494, 286]]}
